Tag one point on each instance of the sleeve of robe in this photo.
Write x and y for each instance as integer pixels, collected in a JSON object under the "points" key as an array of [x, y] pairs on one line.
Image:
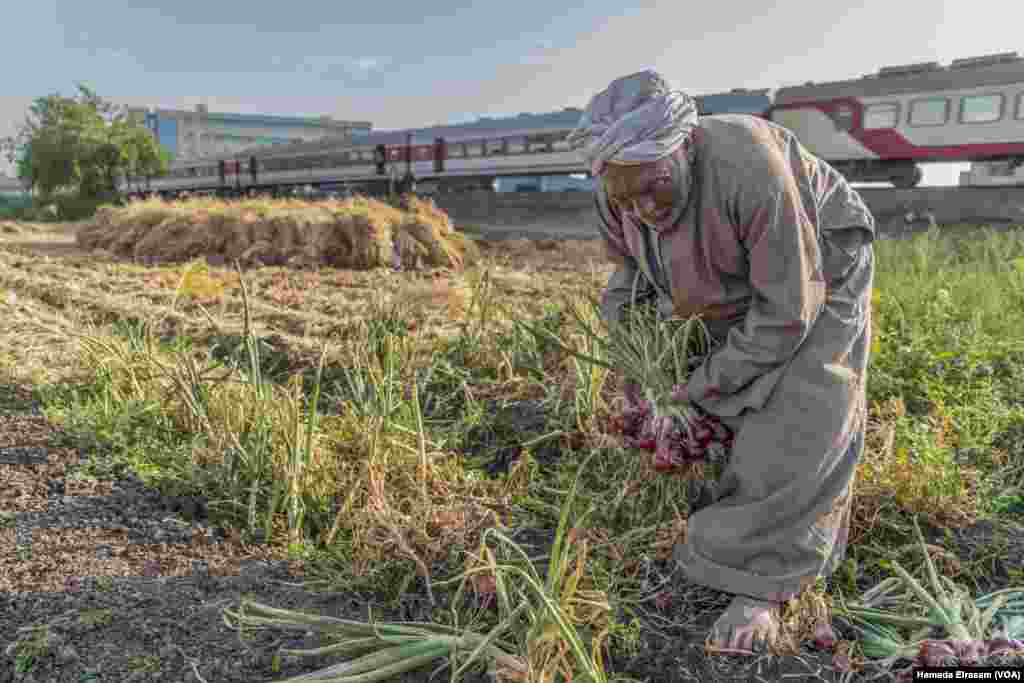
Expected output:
{"points": [[780, 241]]}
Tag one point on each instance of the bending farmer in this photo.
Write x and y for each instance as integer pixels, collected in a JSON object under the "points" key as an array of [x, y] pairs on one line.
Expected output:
{"points": [[729, 217]]}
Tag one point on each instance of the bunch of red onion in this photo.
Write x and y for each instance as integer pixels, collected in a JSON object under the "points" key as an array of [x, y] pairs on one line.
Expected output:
{"points": [[674, 440], [656, 355]]}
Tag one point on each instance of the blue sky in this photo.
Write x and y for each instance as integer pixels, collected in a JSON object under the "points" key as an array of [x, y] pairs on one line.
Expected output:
{"points": [[401, 64]]}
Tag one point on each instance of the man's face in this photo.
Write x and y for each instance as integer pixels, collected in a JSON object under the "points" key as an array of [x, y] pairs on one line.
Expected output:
{"points": [[656, 192]]}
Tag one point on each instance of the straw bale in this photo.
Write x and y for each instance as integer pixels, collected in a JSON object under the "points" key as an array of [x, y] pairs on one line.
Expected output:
{"points": [[235, 235], [357, 241], [218, 232], [357, 233], [261, 252], [179, 238], [421, 240], [432, 214]]}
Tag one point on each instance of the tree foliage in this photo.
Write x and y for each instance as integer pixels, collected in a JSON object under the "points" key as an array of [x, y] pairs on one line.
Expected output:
{"points": [[81, 146]]}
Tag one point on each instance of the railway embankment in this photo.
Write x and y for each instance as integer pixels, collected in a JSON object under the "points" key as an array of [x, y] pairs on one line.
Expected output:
{"points": [[572, 214]]}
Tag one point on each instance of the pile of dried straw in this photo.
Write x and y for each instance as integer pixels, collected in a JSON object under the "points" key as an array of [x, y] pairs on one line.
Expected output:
{"points": [[356, 233]]}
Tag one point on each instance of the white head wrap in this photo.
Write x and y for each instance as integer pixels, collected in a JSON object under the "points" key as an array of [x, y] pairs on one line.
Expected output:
{"points": [[637, 119]]}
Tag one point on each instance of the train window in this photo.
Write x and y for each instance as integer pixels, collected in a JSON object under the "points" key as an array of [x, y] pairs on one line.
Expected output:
{"points": [[474, 149], [843, 117], [933, 111], [981, 108], [516, 145], [1020, 105], [885, 115], [495, 147], [560, 144], [539, 143]]}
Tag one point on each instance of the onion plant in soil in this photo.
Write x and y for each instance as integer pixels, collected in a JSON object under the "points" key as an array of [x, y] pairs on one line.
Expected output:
{"points": [[538, 637]]}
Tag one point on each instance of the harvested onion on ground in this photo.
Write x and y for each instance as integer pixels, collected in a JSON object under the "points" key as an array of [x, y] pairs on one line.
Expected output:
{"points": [[966, 654], [968, 623]]}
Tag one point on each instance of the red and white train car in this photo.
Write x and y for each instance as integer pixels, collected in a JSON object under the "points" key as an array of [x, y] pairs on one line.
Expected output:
{"points": [[879, 127], [875, 128]]}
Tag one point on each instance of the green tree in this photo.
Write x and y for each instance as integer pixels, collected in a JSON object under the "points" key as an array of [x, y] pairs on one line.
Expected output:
{"points": [[80, 147]]}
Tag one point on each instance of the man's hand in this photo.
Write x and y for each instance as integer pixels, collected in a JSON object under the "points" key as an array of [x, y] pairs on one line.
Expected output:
{"points": [[679, 393]]}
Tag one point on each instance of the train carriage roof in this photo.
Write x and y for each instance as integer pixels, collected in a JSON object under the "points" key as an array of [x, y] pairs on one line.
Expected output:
{"points": [[738, 100], [976, 72]]}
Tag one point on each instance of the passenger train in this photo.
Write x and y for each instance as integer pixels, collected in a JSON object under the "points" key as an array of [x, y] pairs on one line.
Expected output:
{"points": [[875, 128]]}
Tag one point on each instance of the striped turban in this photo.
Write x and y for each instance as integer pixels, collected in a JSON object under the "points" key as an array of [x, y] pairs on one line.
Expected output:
{"points": [[635, 120]]}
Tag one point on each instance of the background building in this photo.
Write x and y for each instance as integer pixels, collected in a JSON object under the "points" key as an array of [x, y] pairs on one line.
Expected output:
{"points": [[199, 134], [12, 194], [11, 187]]}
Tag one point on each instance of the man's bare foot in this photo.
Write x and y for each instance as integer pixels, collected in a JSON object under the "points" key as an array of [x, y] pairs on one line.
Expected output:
{"points": [[748, 626]]}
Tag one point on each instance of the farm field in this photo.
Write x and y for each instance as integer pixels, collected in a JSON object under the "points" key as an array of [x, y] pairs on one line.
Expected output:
{"points": [[178, 436]]}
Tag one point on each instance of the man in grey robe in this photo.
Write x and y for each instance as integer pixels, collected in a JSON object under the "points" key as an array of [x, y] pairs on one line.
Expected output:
{"points": [[731, 218]]}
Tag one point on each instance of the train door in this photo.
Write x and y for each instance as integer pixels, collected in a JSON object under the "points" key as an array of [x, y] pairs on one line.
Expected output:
{"points": [[440, 151]]}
